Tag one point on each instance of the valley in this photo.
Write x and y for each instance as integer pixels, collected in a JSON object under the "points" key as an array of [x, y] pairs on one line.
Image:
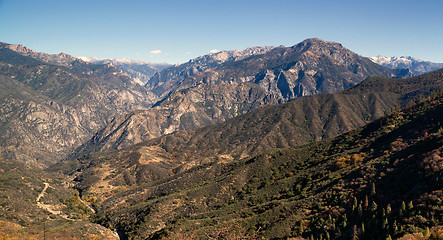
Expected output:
{"points": [[311, 141]]}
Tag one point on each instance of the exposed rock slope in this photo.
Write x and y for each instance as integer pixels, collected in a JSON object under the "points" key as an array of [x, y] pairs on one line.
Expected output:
{"points": [[355, 184], [48, 110], [234, 87], [299, 121], [163, 82]]}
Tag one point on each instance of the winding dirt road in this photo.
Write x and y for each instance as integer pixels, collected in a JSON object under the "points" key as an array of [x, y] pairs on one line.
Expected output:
{"points": [[48, 207]]}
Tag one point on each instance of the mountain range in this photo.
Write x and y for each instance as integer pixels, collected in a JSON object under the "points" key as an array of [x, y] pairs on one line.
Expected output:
{"points": [[50, 104], [308, 141], [236, 87], [231, 173], [140, 71], [417, 66]]}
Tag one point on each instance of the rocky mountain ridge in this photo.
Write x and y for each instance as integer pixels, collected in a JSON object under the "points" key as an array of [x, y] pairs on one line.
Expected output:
{"points": [[163, 82], [50, 109], [236, 87], [140, 71], [302, 120], [417, 66], [200, 176]]}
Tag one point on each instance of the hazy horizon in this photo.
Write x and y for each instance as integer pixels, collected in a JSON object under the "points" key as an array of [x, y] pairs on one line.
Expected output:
{"points": [[176, 31]]}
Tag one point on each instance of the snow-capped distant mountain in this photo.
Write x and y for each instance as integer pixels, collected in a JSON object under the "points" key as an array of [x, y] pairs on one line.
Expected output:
{"points": [[140, 71], [417, 66]]}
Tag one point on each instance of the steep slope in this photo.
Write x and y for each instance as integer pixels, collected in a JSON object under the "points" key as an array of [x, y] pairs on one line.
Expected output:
{"points": [[238, 86], [376, 182], [49, 110], [190, 108], [163, 82], [310, 67], [299, 121], [140, 71], [106, 77], [417, 66], [38, 205]]}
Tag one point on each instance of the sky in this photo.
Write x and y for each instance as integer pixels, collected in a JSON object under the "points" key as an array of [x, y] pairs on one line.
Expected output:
{"points": [[175, 31]]}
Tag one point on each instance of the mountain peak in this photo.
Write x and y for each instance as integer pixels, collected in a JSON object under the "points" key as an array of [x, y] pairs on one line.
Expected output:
{"points": [[417, 66], [17, 48], [317, 41], [320, 47]]}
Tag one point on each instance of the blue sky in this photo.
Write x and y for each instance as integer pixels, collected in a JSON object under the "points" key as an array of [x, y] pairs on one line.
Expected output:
{"points": [[176, 31]]}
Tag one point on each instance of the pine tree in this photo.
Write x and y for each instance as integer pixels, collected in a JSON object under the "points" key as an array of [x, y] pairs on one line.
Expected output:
{"points": [[394, 227], [403, 208], [385, 223], [373, 206], [300, 227], [354, 204], [410, 206], [345, 220], [373, 189]]}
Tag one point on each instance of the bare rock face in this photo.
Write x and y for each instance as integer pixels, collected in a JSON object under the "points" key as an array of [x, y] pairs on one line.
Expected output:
{"points": [[191, 108], [217, 87], [51, 104], [310, 67], [163, 82]]}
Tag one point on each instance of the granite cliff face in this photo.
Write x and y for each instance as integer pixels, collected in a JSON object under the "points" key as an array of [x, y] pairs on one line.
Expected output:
{"points": [[163, 82], [191, 108], [225, 86], [50, 104], [310, 67]]}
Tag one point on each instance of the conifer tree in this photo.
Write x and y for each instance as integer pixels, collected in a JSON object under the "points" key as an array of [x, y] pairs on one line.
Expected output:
{"points": [[403, 208], [373, 206], [410, 205], [354, 204], [372, 189]]}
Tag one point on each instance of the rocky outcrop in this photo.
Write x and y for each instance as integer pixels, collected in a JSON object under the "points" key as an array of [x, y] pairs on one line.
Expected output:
{"points": [[163, 82], [49, 110], [217, 87], [191, 108], [310, 67]]}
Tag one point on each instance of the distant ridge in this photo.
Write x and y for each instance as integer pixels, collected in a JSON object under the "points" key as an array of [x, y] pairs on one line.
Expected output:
{"points": [[417, 66], [140, 71], [216, 87]]}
